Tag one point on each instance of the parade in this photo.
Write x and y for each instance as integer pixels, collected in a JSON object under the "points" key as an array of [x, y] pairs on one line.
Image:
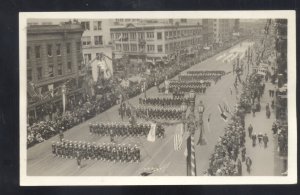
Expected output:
{"points": [[120, 130], [91, 151], [154, 116]]}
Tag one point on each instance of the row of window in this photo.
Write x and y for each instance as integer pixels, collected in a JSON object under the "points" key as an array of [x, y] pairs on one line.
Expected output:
{"points": [[151, 48], [134, 36], [97, 25], [135, 48], [50, 71], [88, 57], [51, 48], [126, 20], [87, 40], [150, 35]]}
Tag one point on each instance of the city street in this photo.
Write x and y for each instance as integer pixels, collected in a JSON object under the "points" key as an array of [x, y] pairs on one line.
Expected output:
{"points": [[161, 154], [264, 162]]}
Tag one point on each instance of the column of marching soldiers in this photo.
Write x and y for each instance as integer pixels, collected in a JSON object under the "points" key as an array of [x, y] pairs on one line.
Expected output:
{"points": [[150, 108]]}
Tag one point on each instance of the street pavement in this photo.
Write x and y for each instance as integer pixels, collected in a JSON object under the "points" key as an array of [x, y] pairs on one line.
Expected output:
{"points": [[265, 161], [159, 154]]}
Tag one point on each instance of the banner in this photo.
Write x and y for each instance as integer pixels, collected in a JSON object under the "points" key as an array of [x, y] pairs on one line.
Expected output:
{"points": [[95, 70], [63, 90], [222, 113], [151, 134]]}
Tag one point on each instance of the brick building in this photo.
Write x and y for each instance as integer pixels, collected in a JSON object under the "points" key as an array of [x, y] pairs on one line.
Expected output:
{"points": [[54, 55]]}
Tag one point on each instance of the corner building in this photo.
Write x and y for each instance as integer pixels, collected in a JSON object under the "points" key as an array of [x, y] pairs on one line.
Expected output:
{"points": [[54, 56], [156, 42]]}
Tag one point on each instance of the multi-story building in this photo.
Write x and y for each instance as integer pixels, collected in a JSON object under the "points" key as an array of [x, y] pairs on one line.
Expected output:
{"points": [[155, 41], [96, 39], [53, 54], [252, 26], [222, 29], [208, 31], [54, 59]]}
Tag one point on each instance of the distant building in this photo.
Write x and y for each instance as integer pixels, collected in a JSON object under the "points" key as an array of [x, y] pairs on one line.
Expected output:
{"points": [[236, 27], [156, 41], [96, 39], [208, 31], [222, 30], [250, 27], [124, 21]]}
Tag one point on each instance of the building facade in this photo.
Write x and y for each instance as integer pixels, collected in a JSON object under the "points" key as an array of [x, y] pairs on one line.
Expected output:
{"points": [[222, 30], [155, 42], [96, 39], [54, 54], [208, 31]]}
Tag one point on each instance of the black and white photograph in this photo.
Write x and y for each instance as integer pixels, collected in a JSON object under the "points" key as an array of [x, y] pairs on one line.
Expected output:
{"points": [[142, 98]]}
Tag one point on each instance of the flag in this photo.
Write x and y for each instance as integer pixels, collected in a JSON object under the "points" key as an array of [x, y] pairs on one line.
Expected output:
{"points": [[31, 89], [95, 70], [52, 129], [222, 113], [227, 108], [109, 65], [151, 134], [120, 37], [50, 88], [187, 154], [178, 136]]}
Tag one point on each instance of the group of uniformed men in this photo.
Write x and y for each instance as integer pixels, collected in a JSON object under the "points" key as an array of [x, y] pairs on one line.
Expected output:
{"points": [[207, 72], [197, 77], [122, 129], [105, 151], [159, 112], [188, 86], [163, 101]]}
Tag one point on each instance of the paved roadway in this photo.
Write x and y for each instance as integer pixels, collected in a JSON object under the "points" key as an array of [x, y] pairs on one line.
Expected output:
{"points": [[265, 161], [158, 154]]}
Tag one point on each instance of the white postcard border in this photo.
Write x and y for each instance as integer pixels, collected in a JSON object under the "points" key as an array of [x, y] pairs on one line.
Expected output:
{"points": [[162, 180]]}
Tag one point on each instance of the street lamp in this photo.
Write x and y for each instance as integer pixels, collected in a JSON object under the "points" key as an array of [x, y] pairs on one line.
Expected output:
{"points": [[201, 109]]}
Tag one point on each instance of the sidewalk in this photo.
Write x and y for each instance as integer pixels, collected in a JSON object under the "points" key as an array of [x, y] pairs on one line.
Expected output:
{"points": [[264, 160]]}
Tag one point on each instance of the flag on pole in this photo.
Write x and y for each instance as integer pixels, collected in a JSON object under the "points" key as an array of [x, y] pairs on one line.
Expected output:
{"points": [[187, 154], [151, 134], [227, 108], [190, 156], [222, 113], [178, 136]]}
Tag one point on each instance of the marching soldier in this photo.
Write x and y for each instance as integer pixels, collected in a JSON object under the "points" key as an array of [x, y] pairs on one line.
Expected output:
{"points": [[53, 148], [78, 158]]}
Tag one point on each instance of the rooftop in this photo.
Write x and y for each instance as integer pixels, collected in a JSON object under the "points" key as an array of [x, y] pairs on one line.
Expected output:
{"points": [[69, 27], [153, 25]]}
